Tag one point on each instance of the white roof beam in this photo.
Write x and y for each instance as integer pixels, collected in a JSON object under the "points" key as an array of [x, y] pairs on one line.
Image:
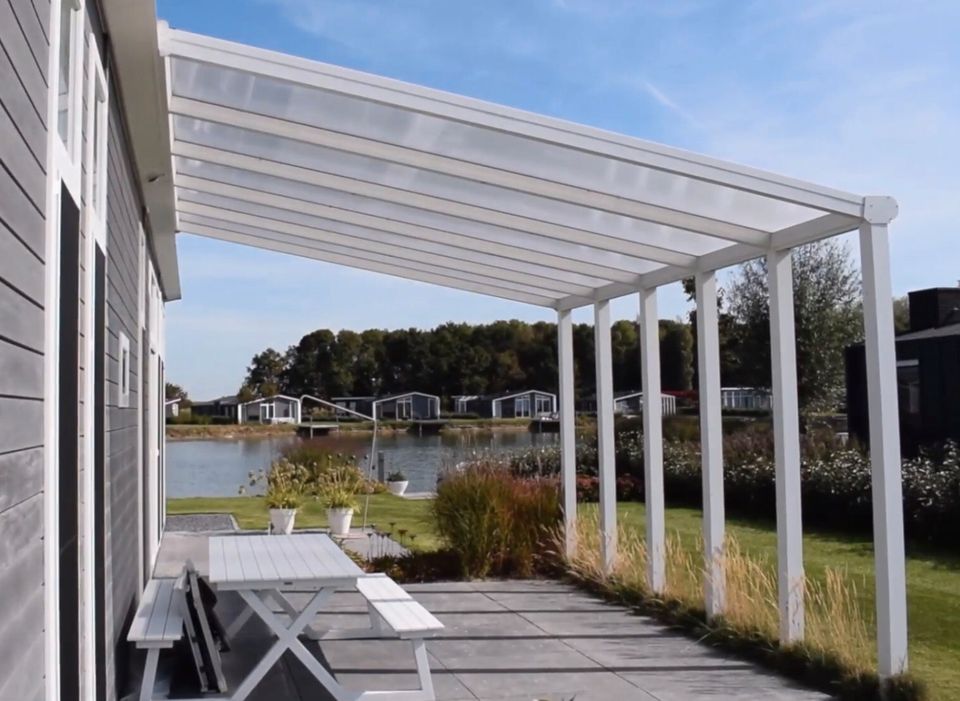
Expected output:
{"points": [[379, 242], [813, 230], [432, 204], [269, 228], [634, 208], [575, 266], [495, 117], [417, 273]]}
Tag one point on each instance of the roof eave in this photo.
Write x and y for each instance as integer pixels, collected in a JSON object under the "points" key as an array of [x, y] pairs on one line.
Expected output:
{"points": [[141, 76]]}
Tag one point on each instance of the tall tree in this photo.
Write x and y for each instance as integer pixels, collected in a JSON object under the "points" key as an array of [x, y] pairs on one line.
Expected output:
{"points": [[901, 314], [828, 317], [267, 373]]}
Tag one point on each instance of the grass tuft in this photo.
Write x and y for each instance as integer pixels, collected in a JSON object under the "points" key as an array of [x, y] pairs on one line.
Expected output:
{"points": [[837, 654]]}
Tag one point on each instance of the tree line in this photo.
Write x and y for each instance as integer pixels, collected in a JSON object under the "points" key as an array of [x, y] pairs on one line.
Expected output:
{"points": [[458, 358]]}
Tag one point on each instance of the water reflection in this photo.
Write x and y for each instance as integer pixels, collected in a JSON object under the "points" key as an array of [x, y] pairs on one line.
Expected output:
{"points": [[219, 467]]}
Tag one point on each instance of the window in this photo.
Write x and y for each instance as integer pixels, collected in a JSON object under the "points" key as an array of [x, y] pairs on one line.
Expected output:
{"points": [[908, 387], [95, 156], [405, 408], [68, 94], [545, 405], [123, 380], [521, 407]]}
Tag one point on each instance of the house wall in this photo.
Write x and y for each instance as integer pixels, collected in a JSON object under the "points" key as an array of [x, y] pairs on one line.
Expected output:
{"points": [[24, 55], [23, 136], [424, 407], [939, 369]]}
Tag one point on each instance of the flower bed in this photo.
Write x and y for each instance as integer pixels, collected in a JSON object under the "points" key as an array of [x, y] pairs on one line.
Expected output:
{"points": [[835, 479]]}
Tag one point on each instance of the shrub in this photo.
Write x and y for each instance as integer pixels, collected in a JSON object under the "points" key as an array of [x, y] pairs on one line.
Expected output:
{"points": [[835, 478], [497, 522]]}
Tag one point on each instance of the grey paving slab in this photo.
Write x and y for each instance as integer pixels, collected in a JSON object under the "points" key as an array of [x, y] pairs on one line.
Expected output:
{"points": [[458, 602], [549, 601], [592, 686], [712, 685], [475, 656], [487, 625], [447, 686], [610, 621], [651, 651]]}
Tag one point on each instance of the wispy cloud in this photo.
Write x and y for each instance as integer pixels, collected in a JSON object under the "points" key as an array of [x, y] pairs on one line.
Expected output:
{"points": [[666, 101]]}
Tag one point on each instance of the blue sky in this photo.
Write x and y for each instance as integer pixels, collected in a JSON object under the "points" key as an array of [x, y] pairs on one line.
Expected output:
{"points": [[858, 95]]}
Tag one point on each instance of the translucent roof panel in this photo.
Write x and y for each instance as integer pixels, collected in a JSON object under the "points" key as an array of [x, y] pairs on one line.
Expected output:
{"points": [[318, 160]]}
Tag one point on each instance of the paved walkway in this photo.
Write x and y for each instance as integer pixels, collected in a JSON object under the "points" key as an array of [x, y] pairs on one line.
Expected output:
{"points": [[518, 640]]}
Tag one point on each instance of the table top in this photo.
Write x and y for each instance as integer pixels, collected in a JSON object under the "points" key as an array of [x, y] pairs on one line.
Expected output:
{"points": [[279, 561]]}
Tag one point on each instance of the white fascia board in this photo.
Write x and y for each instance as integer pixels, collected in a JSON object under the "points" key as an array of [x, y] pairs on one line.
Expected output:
{"points": [[378, 242], [139, 69], [634, 207], [476, 112], [822, 227], [196, 217], [419, 273], [572, 266], [430, 203]]}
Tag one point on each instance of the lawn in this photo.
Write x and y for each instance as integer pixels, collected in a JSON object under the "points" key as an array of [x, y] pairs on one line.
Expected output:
{"points": [[933, 578], [386, 512]]}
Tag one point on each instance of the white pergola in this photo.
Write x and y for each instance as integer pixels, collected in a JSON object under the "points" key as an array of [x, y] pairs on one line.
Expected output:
{"points": [[314, 160]]}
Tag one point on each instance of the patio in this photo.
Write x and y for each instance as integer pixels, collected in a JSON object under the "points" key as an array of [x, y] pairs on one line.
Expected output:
{"points": [[513, 639]]}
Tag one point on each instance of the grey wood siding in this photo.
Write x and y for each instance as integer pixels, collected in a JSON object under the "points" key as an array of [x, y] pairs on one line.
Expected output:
{"points": [[122, 422], [23, 99]]}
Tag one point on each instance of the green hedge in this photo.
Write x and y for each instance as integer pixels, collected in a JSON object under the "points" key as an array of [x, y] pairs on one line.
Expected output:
{"points": [[835, 479]]}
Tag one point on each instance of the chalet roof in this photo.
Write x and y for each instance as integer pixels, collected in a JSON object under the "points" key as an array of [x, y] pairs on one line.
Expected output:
{"points": [[400, 395], [937, 332]]}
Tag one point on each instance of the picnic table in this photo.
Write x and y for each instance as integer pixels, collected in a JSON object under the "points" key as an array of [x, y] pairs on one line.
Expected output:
{"points": [[261, 568]]}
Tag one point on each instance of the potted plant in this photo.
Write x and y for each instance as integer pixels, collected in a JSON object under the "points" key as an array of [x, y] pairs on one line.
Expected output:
{"points": [[283, 493], [397, 483], [341, 503]]}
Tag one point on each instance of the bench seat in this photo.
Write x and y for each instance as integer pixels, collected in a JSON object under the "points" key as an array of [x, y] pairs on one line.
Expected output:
{"points": [[158, 622], [397, 609]]}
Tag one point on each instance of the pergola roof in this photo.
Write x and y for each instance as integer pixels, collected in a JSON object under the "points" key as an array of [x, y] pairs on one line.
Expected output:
{"points": [[315, 160]]}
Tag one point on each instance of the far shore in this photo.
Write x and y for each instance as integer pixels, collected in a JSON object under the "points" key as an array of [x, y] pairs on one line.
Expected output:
{"points": [[233, 431]]}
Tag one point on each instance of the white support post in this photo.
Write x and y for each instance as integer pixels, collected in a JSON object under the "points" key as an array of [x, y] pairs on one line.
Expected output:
{"points": [[606, 453], [652, 440], [711, 442], [568, 438], [884, 431], [786, 433]]}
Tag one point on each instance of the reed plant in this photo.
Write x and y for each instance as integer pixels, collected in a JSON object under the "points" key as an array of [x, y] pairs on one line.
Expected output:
{"points": [[838, 650]]}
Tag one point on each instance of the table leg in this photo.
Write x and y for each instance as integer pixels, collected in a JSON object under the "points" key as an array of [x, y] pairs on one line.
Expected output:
{"points": [[287, 640]]}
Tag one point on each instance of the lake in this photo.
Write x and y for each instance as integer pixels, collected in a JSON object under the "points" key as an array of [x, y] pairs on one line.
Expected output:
{"points": [[217, 468]]}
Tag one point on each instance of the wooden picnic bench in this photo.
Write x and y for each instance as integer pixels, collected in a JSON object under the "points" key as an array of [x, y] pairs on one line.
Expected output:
{"points": [[261, 569], [157, 625]]}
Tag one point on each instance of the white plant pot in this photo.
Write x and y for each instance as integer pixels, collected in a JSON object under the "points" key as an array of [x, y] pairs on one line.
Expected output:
{"points": [[339, 521], [398, 488], [281, 521]]}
